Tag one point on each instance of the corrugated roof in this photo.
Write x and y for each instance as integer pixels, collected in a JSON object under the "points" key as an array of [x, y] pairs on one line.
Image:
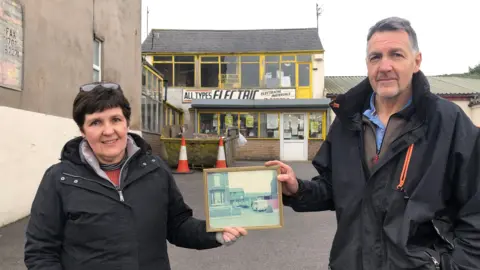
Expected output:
{"points": [[232, 41], [335, 85]]}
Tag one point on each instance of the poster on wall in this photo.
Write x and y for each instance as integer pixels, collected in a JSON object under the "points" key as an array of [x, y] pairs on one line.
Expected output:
{"points": [[243, 94], [228, 120], [272, 121], [11, 41], [249, 121]]}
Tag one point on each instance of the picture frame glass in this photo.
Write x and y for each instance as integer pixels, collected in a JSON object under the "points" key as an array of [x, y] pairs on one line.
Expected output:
{"points": [[248, 197]]}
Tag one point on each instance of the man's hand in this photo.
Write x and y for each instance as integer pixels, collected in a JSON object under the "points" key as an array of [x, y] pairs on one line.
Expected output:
{"points": [[231, 234], [286, 177]]}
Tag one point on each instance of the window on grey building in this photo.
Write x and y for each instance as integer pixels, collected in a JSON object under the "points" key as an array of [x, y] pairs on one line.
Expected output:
{"points": [[97, 60]]}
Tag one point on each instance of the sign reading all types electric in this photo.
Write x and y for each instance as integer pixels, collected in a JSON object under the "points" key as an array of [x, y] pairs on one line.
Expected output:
{"points": [[284, 93]]}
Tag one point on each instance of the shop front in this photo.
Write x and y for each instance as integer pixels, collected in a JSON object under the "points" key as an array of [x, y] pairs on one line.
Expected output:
{"points": [[285, 129]]}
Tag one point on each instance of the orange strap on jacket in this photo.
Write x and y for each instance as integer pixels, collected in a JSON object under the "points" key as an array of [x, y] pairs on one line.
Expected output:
{"points": [[403, 176]]}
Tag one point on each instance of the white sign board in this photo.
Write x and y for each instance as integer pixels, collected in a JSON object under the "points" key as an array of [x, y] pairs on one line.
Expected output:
{"points": [[11, 44], [247, 94]]}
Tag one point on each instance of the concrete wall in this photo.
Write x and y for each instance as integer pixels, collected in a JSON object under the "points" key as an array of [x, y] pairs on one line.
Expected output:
{"points": [[318, 76], [58, 58], [464, 105], [476, 115]]}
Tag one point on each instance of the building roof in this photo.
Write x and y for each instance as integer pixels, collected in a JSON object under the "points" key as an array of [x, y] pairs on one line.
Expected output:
{"points": [[266, 104], [440, 85], [232, 41]]}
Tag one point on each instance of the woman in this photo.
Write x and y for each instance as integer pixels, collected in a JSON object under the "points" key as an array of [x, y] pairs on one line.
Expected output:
{"points": [[109, 203]]}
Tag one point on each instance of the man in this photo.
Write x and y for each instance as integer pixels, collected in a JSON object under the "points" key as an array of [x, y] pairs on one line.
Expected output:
{"points": [[399, 166]]}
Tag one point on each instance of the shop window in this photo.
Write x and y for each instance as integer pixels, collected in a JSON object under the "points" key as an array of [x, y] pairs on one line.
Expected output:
{"points": [[208, 123], [167, 70], [210, 59], [303, 74], [229, 73], [250, 59], [272, 75], [249, 125], [272, 58], [184, 59], [315, 125], [304, 58], [269, 127], [175, 117], [250, 75], [162, 58], [154, 125], [287, 77], [293, 126], [209, 75], [178, 70], [288, 57], [144, 113], [184, 75], [228, 120]]}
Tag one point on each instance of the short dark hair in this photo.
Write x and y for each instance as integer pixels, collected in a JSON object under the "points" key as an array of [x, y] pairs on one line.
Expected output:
{"points": [[98, 100], [395, 24]]}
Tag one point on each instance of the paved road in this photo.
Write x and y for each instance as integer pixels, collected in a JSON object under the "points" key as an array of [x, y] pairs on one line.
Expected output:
{"points": [[303, 243]]}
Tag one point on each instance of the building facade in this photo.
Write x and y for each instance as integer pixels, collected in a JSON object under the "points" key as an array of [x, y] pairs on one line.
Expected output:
{"points": [[45, 59], [268, 83], [158, 115]]}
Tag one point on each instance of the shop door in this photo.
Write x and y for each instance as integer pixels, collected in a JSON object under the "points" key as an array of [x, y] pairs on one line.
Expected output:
{"points": [[293, 136], [304, 82]]}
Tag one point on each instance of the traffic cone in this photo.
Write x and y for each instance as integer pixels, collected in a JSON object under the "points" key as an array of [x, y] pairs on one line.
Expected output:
{"points": [[183, 160], [221, 163]]}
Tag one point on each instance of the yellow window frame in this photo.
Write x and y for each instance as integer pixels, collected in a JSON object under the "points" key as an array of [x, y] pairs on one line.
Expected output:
{"points": [[261, 61], [159, 88], [172, 61]]}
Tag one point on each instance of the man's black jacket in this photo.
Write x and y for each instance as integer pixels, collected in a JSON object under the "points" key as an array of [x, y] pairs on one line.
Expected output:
{"points": [[432, 219]]}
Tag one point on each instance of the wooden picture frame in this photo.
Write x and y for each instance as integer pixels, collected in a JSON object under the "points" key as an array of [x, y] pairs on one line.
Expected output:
{"points": [[248, 197]]}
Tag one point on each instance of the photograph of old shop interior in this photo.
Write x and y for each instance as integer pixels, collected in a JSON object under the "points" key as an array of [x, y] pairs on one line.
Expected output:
{"points": [[268, 83]]}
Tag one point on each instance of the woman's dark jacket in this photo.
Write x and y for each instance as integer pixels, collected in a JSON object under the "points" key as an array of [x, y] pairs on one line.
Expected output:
{"points": [[79, 220]]}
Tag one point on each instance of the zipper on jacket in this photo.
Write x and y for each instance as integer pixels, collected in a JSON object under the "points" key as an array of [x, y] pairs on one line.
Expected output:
{"points": [[434, 260], [121, 171], [120, 193]]}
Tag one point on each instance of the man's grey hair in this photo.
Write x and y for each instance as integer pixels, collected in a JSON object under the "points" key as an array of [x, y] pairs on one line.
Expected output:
{"points": [[395, 24]]}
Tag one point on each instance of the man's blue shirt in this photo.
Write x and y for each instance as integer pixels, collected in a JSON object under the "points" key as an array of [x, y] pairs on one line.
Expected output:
{"points": [[372, 115]]}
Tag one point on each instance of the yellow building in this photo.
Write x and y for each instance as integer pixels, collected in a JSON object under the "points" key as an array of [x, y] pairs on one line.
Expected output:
{"points": [[268, 83], [157, 112]]}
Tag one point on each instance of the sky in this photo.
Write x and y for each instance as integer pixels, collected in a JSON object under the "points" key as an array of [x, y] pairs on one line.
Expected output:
{"points": [[252, 181], [447, 31]]}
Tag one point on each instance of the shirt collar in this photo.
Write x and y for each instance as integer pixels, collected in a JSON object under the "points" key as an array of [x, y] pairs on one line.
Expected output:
{"points": [[373, 111]]}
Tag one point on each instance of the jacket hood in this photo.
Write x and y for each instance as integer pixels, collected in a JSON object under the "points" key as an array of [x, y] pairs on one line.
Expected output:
{"points": [[71, 150]]}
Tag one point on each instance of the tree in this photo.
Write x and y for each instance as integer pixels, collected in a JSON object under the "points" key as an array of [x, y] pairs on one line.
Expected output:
{"points": [[474, 70]]}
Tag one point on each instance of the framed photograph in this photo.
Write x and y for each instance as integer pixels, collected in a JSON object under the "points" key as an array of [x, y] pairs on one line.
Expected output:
{"points": [[248, 197]]}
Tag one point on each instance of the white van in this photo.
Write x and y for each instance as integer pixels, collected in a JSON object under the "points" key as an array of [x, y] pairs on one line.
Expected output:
{"points": [[260, 205]]}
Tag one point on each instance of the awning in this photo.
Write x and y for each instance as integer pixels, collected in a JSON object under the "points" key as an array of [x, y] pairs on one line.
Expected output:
{"points": [[268, 104]]}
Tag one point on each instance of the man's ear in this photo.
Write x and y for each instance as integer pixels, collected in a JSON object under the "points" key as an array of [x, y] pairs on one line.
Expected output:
{"points": [[418, 62]]}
